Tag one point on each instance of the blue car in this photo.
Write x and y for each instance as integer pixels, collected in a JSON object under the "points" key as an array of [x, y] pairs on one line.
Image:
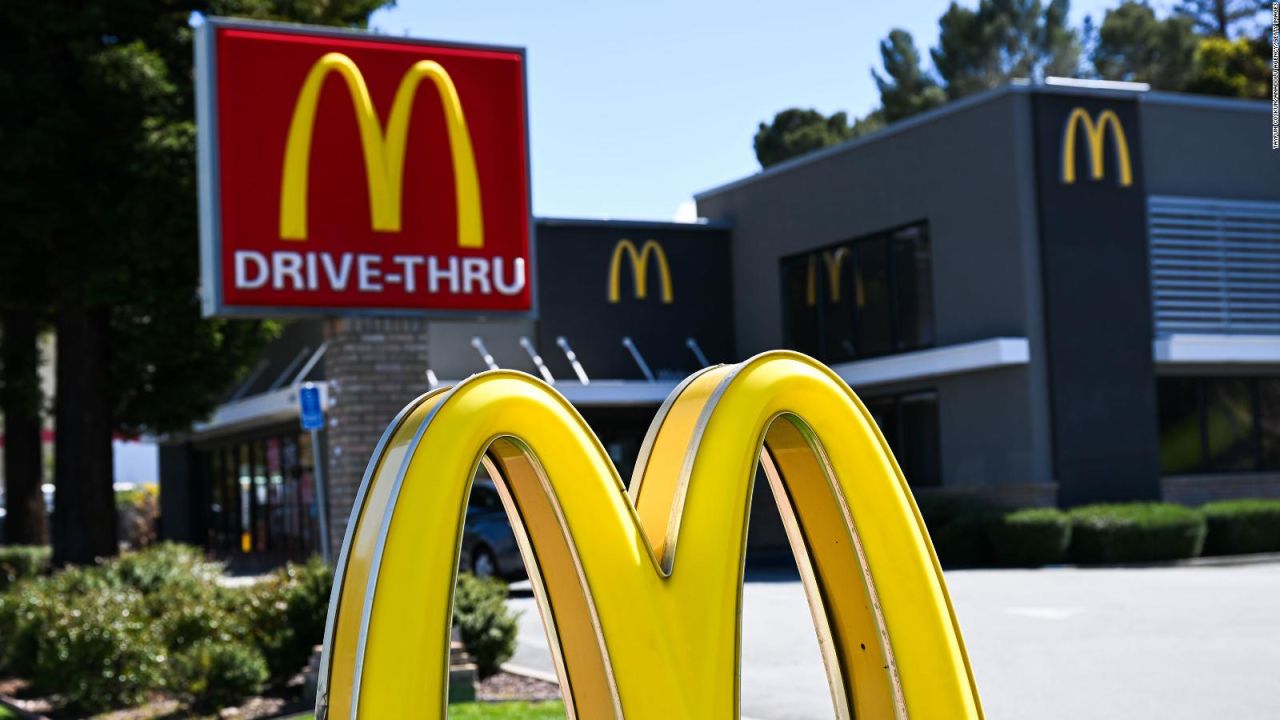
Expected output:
{"points": [[489, 546]]}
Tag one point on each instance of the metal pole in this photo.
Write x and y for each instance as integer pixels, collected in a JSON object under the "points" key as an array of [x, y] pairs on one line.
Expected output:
{"points": [[322, 503]]}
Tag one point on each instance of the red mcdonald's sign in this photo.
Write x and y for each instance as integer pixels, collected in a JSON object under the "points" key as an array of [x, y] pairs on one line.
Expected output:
{"points": [[344, 172]]}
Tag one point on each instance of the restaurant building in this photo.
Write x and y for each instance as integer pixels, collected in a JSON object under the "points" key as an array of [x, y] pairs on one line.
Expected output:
{"points": [[1046, 295]]}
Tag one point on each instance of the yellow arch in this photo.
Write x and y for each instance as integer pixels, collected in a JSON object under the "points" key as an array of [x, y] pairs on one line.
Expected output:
{"points": [[1095, 136], [641, 587], [383, 153], [639, 269]]}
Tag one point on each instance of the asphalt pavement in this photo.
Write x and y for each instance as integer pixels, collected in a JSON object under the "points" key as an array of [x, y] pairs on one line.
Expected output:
{"points": [[1184, 643]]}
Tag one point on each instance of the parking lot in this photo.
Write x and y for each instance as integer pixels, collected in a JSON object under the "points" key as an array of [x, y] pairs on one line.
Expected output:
{"points": [[1183, 643]]}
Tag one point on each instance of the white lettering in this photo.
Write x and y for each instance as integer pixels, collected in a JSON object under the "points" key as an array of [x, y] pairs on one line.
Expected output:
{"points": [[337, 276], [435, 273], [243, 257], [407, 263], [286, 264], [311, 271], [369, 274], [517, 270], [475, 270]]}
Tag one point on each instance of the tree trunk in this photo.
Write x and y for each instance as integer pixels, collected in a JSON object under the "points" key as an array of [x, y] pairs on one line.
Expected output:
{"points": [[21, 401], [84, 515]]}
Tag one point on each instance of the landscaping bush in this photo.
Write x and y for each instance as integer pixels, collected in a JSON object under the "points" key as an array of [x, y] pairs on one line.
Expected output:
{"points": [[287, 615], [1242, 526], [487, 627], [1135, 532], [216, 673], [97, 651], [958, 529], [19, 562], [1030, 537]]}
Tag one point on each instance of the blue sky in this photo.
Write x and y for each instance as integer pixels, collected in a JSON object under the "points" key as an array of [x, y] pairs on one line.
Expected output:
{"points": [[635, 106]]}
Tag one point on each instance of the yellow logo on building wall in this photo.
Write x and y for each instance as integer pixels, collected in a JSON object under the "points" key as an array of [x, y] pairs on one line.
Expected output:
{"points": [[1095, 136], [639, 269], [640, 587], [383, 150], [832, 260]]}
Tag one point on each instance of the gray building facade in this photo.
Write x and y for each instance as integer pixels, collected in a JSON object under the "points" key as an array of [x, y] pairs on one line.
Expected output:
{"points": [[1046, 295]]}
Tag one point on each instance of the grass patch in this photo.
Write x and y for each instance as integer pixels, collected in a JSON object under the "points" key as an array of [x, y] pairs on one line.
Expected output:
{"points": [[507, 711]]}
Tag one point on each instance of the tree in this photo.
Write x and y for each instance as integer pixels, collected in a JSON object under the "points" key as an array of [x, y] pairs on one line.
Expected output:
{"points": [[22, 403], [1002, 40], [796, 131], [905, 89], [1133, 44], [1234, 68], [1221, 18], [97, 123]]}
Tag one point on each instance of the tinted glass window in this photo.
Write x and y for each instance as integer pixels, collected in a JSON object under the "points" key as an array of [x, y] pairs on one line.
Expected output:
{"points": [[871, 297], [913, 270], [920, 445], [1229, 430], [1269, 421], [800, 290], [836, 284], [1179, 403], [484, 499], [864, 298], [909, 424]]}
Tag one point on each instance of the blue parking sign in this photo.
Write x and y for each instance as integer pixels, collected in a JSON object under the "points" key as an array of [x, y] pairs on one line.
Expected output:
{"points": [[312, 412]]}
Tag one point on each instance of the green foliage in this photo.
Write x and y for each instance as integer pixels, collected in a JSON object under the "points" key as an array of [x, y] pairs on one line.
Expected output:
{"points": [[905, 89], [1234, 68], [287, 615], [958, 528], [1030, 537], [487, 627], [1134, 45], [1222, 18], [986, 47], [1242, 526], [213, 674], [19, 562], [103, 636], [1135, 532], [795, 132], [507, 711], [82, 635]]}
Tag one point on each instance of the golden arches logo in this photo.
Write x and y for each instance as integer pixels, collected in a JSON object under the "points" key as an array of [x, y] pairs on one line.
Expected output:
{"points": [[383, 150], [1095, 135], [640, 587], [833, 261], [639, 269]]}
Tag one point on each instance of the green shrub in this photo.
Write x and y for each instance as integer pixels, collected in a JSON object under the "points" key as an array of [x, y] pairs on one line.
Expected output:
{"points": [[27, 611], [19, 562], [487, 627], [958, 529], [287, 615], [206, 615], [166, 570], [1030, 537], [1242, 526], [97, 651], [1135, 532], [213, 674]]}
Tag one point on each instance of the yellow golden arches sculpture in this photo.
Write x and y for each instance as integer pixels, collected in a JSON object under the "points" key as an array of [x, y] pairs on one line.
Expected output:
{"points": [[383, 152], [641, 587]]}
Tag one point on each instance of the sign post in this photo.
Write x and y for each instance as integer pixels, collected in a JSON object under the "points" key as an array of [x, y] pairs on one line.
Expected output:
{"points": [[312, 412]]}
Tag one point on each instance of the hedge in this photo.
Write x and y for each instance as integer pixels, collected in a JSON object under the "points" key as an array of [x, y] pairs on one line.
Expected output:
{"points": [[1237, 527], [19, 562], [487, 627], [106, 636], [1030, 537], [1135, 532]]}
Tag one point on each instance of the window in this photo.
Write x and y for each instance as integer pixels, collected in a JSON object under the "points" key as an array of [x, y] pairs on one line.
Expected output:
{"points": [[864, 298], [909, 424], [1219, 424]]}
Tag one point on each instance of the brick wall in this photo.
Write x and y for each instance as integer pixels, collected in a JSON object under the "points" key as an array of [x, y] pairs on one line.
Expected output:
{"points": [[375, 366]]}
